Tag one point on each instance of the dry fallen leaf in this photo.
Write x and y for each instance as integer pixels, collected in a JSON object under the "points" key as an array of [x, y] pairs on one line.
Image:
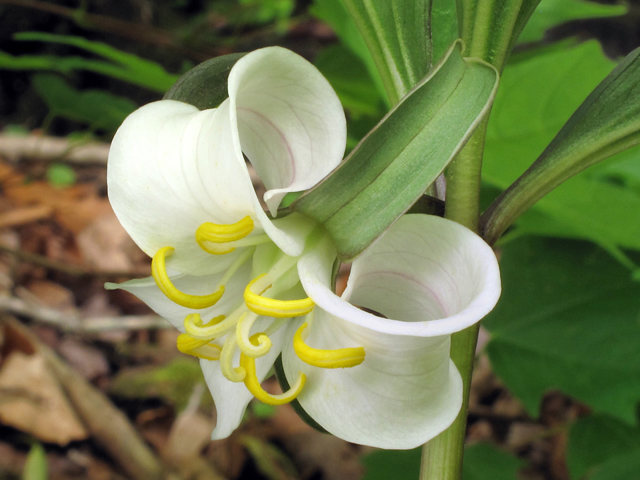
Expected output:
{"points": [[31, 400]]}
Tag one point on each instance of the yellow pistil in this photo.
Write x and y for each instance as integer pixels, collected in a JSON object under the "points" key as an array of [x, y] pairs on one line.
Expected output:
{"points": [[193, 325], [232, 374], [198, 348], [341, 358], [210, 235], [253, 385], [159, 272], [243, 330], [271, 307]]}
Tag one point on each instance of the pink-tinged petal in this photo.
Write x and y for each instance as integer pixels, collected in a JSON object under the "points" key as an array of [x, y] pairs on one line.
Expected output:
{"points": [[290, 123], [405, 392], [429, 277]]}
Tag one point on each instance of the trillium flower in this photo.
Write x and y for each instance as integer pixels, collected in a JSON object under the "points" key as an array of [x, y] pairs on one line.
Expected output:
{"points": [[243, 287], [423, 280]]}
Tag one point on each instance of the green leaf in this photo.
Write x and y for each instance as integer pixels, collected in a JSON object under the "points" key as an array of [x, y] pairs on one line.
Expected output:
{"points": [[396, 33], [568, 320], [97, 108], [270, 461], [444, 27], [403, 155], [490, 28], [597, 439], [123, 66], [483, 461], [551, 13], [622, 467], [61, 175], [349, 78], [395, 464], [536, 97], [36, 467], [205, 86], [337, 16], [606, 123]]}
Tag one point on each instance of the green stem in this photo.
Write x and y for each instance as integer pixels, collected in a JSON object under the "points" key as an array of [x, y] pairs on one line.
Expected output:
{"points": [[442, 456]]}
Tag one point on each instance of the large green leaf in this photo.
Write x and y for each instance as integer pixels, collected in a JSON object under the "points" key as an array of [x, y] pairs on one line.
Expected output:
{"points": [[397, 35], [97, 108], [444, 27], [402, 156], [606, 123], [596, 440], [490, 28], [622, 467], [481, 462], [536, 97], [568, 320], [123, 66], [550, 13], [337, 16]]}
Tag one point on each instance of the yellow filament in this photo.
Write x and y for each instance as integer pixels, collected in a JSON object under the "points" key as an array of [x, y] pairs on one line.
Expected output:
{"points": [[341, 358], [271, 307], [198, 348], [232, 374], [210, 235], [253, 385], [243, 330], [159, 272], [194, 327]]}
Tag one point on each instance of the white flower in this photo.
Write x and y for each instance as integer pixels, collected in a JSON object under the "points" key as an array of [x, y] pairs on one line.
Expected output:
{"points": [[243, 287]]}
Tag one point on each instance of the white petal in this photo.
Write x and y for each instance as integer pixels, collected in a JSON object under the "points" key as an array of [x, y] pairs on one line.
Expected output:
{"points": [[429, 277], [172, 168], [406, 391], [147, 291], [290, 122], [231, 399]]}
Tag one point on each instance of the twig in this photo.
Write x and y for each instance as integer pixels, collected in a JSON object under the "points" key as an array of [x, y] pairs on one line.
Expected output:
{"points": [[75, 323], [72, 270], [132, 30], [108, 425], [45, 148]]}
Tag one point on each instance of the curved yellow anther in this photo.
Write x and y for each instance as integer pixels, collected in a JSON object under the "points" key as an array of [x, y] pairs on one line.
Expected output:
{"points": [[341, 358], [210, 235], [253, 384], [232, 374], [271, 307], [198, 348], [215, 328], [159, 272], [243, 330]]}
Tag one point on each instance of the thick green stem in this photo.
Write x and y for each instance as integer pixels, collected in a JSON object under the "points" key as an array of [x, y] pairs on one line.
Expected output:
{"points": [[442, 456]]}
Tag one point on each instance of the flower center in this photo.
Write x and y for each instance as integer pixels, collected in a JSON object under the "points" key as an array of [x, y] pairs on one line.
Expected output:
{"points": [[204, 340]]}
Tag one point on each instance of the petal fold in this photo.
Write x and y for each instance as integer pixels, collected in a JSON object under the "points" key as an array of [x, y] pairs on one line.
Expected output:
{"points": [[429, 276], [290, 122]]}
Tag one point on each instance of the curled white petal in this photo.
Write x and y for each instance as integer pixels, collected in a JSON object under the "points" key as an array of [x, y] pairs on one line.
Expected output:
{"points": [[429, 277], [147, 291], [290, 123], [405, 392]]}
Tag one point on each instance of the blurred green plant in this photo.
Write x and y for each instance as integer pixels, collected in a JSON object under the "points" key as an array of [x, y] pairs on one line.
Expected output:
{"points": [[36, 466], [60, 175], [120, 65]]}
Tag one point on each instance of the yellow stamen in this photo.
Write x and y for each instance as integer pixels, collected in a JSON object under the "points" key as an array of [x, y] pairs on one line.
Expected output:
{"points": [[210, 235], [253, 385], [271, 307], [232, 374], [159, 272], [243, 330], [198, 348], [193, 325], [341, 358]]}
